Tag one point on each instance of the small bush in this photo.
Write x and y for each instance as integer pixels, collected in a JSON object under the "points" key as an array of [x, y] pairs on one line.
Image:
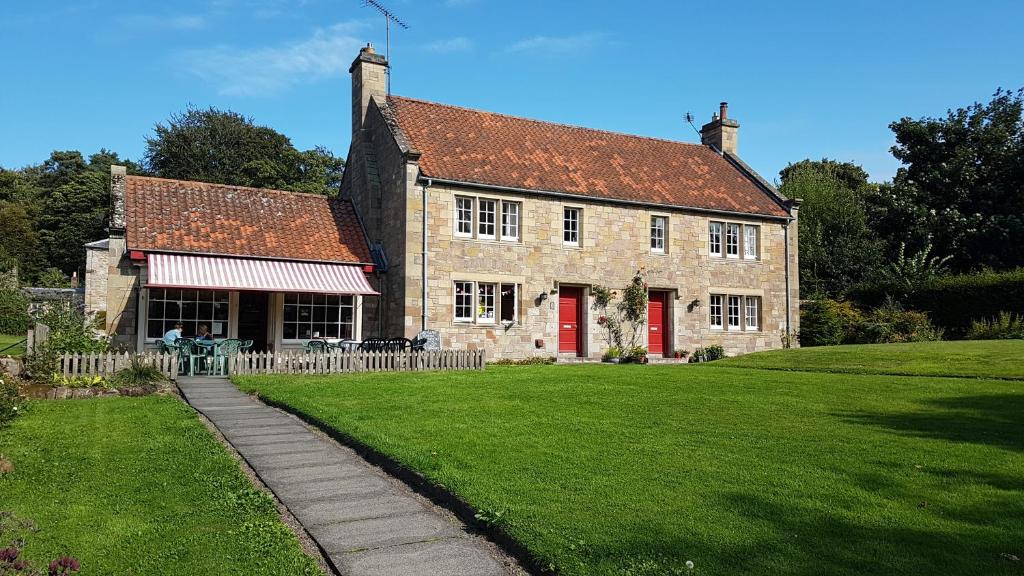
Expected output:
{"points": [[612, 353], [41, 364], [891, 323], [70, 331], [827, 322], [10, 402], [1003, 327], [139, 372], [635, 353], [14, 318], [708, 353]]}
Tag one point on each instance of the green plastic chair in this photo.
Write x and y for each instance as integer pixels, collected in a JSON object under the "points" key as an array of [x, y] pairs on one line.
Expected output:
{"points": [[315, 346], [226, 349]]}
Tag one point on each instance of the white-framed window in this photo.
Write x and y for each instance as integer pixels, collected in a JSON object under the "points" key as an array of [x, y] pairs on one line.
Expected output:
{"points": [[464, 301], [509, 220], [463, 216], [734, 312], [732, 240], [485, 310], [168, 306], [485, 302], [571, 226], [715, 310], [485, 218], [715, 238], [318, 316], [750, 236], [509, 304], [752, 316], [659, 229]]}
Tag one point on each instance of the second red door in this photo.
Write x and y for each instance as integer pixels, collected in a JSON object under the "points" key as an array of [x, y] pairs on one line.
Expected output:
{"points": [[657, 322], [569, 300]]}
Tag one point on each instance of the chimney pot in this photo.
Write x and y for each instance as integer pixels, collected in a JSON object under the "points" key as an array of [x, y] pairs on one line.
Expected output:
{"points": [[723, 110]]}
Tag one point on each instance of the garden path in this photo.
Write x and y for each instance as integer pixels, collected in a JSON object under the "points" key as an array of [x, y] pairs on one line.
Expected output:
{"points": [[364, 522]]}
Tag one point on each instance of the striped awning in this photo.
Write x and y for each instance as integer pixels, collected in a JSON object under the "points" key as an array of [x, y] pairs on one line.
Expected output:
{"points": [[191, 271]]}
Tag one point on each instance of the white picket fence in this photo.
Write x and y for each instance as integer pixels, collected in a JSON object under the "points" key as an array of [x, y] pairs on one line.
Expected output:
{"points": [[106, 364], [339, 361]]}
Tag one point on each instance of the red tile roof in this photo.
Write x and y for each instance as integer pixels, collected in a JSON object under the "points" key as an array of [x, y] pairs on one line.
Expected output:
{"points": [[493, 149], [182, 216]]}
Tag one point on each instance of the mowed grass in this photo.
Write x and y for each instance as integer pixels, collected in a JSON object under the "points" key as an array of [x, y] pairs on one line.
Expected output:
{"points": [[139, 486], [972, 359], [9, 339], [634, 470]]}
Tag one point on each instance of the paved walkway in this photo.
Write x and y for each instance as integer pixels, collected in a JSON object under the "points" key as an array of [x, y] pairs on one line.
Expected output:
{"points": [[365, 522]]}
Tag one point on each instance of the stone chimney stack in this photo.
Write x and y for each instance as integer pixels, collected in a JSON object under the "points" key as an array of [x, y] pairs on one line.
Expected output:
{"points": [[369, 80], [722, 132], [117, 200]]}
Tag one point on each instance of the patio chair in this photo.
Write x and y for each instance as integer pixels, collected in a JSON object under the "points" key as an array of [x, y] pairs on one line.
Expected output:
{"points": [[246, 345], [372, 345], [226, 350], [187, 356], [399, 345], [315, 346]]}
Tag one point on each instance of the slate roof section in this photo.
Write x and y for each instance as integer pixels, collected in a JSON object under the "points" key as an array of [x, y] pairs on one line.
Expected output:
{"points": [[201, 218], [491, 149]]}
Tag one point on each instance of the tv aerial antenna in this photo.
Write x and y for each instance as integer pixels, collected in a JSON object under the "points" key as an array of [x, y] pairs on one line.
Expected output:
{"points": [[389, 17], [689, 119]]}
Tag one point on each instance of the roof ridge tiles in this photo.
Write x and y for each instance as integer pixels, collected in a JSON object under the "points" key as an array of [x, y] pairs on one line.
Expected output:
{"points": [[235, 186]]}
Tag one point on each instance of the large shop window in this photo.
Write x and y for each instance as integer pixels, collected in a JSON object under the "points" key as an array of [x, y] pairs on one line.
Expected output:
{"points": [[168, 306], [318, 316]]}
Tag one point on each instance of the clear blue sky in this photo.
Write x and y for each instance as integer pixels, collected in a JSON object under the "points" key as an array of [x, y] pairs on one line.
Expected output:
{"points": [[805, 79]]}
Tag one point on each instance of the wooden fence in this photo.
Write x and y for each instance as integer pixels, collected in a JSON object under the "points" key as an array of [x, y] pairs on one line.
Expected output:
{"points": [[106, 364], [337, 361]]}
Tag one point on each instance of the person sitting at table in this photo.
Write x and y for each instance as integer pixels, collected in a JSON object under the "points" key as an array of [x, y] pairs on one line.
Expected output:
{"points": [[204, 333], [173, 334]]}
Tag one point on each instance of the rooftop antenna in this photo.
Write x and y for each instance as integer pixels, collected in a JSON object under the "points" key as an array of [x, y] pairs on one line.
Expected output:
{"points": [[689, 118], [389, 17]]}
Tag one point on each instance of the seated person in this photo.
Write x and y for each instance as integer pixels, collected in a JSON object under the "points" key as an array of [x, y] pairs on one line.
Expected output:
{"points": [[204, 334], [173, 334]]}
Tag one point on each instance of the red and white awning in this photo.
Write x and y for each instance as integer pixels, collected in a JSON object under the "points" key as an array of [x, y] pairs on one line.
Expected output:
{"points": [[190, 271]]}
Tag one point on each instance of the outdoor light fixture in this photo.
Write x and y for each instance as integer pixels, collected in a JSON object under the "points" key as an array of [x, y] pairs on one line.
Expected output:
{"points": [[543, 296], [696, 304]]}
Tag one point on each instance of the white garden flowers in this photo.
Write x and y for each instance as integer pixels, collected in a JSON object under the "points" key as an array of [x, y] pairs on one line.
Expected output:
{"points": [[689, 564]]}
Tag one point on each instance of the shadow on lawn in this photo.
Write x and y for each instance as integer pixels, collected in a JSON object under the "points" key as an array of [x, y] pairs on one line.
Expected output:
{"points": [[994, 419]]}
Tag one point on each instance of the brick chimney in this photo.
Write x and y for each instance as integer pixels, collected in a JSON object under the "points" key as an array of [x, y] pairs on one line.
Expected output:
{"points": [[722, 132], [369, 80]]}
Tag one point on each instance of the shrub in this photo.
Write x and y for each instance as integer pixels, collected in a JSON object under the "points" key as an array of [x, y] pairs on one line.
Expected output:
{"points": [[635, 353], [1002, 327], [954, 302], [891, 323], [612, 352], [14, 318], [531, 361], [827, 322], [10, 402], [41, 364], [139, 372], [70, 331], [708, 353]]}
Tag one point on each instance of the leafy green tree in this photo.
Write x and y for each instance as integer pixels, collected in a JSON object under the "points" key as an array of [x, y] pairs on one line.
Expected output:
{"points": [[228, 148], [837, 248], [961, 188]]}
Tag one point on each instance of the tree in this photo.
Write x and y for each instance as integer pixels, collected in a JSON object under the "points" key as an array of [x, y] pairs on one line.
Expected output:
{"points": [[225, 147], [837, 248], [961, 187]]}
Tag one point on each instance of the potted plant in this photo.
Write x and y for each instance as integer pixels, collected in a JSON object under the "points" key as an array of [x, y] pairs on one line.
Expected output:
{"points": [[680, 354], [613, 355]]}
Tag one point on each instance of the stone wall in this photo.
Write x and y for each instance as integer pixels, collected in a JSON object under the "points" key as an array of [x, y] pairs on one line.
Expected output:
{"points": [[615, 242], [122, 297]]}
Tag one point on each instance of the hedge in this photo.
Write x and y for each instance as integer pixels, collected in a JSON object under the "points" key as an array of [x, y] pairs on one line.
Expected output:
{"points": [[14, 318], [953, 302]]}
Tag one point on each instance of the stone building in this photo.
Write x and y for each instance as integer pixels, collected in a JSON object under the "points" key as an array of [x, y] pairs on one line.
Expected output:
{"points": [[489, 229], [494, 229]]}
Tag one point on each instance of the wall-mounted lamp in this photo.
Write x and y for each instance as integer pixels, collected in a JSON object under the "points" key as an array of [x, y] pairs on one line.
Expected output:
{"points": [[543, 296], [696, 304]]}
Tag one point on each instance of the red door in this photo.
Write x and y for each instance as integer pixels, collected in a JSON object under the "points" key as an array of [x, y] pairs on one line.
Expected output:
{"points": [[569, 299], [657, 323]]}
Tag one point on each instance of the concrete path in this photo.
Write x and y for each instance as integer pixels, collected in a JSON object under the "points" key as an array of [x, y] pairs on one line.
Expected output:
{"points": [[365, 522]]}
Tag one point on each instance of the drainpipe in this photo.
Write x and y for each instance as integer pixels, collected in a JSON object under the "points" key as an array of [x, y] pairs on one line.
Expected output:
{"points": [[785, 231], [423, 254]]}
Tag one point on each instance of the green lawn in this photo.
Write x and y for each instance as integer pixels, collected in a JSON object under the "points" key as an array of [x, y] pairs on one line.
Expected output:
{"points": [[975, 358], [634, 470], [139, 486], [8, 339]]}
